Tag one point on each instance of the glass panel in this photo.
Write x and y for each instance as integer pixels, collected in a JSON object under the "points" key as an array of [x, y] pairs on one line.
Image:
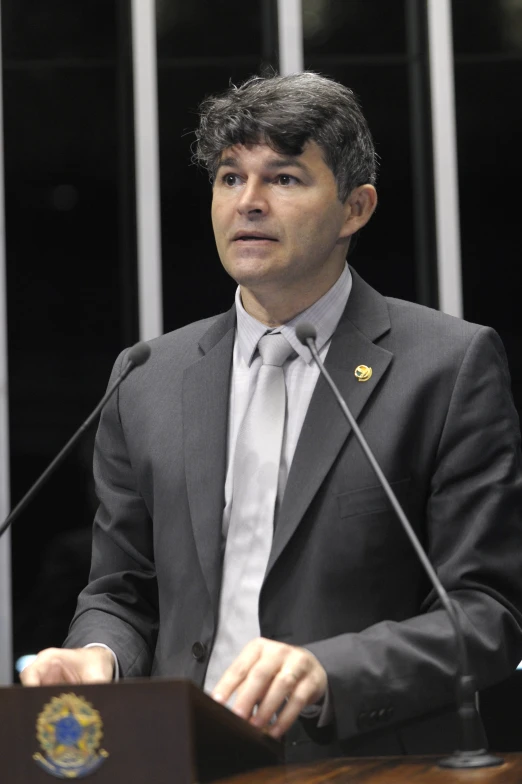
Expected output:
{"points": [[194, 283], [362, 27], [489, 123], [71, 296], [492, 26], [204, 28], [54, 29]]}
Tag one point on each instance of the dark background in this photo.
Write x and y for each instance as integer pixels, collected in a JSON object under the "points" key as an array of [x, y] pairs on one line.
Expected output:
{"points": [[70, 216]]}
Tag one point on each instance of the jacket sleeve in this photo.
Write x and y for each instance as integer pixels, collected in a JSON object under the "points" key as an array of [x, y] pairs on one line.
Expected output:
{"points": [[398, 671], [119, 607]]}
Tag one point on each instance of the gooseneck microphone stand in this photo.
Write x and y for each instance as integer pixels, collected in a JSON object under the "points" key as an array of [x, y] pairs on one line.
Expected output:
{"points": [[137, 355], [470, 754]]}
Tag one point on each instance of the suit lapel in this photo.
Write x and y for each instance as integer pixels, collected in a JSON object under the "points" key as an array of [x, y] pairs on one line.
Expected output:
{"points": [[206, 386], [325, 429]]}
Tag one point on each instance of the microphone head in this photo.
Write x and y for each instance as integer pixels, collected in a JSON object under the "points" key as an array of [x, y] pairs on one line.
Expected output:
{"points": [[139, 353], [305, 331]]}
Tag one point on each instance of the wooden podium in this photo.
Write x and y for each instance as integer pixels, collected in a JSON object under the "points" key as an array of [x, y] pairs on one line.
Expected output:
{"points": [[134, 732], [169, 732], [384, 770]]}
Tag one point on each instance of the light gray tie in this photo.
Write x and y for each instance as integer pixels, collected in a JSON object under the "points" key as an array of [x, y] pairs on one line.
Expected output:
{"points": [[255, 481]]}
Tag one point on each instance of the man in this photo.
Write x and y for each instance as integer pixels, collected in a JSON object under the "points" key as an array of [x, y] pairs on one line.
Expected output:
{"points": [[287, 583]]}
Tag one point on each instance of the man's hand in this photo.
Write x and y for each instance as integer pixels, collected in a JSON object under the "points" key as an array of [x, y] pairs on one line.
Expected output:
{"points": [[266, 673], [64, 665]]}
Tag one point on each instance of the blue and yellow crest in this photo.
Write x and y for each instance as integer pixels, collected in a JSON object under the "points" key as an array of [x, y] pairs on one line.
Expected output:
{"points": [[69, 731]]}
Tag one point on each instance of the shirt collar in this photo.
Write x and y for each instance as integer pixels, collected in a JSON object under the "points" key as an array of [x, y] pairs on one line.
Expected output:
{"points": [[324, 314]]}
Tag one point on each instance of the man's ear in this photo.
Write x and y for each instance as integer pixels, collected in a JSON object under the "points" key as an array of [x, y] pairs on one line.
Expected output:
{"points": [[359, 208]]}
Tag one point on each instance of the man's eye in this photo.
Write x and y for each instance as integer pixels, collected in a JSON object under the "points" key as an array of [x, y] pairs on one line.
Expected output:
{"points": [[230, 179], [285, 179]]}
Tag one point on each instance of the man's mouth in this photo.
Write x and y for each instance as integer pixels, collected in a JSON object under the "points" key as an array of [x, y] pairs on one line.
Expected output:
{"points": [[252, 237]]}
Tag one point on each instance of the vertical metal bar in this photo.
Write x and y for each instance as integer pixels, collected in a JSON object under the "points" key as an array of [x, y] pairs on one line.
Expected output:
{"points": [[6, 632], [147, 168], [445, 156], [127, 247], [420, 140], [290, 25]]}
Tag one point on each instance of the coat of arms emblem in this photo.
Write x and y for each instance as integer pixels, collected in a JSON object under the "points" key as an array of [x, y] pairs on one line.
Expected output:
{"points": [[69, 731]]}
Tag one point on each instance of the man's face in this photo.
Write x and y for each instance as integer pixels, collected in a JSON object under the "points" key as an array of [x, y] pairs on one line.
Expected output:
{"points": [[277, 219]]}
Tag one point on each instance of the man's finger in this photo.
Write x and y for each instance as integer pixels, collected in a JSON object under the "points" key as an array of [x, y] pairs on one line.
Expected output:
{"points": [[300, 697], [58, 671], [48, 672], [82, 665], [255, 686], [237, 672], [30, 676], [281, 688]]}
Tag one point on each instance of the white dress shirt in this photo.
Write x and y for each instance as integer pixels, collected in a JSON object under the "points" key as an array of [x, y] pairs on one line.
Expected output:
{"points": [[301, 374]]}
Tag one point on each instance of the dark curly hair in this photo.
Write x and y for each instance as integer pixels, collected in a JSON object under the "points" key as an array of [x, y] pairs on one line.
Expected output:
{"points": [[286, 112]]}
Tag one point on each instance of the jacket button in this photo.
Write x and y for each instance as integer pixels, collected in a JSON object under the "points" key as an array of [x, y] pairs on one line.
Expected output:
{"points": [[373, 718], [199, 651], [362, 721]]}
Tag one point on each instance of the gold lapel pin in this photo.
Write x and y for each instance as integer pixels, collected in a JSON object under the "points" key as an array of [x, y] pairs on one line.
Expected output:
{"points": [[363, 372]]}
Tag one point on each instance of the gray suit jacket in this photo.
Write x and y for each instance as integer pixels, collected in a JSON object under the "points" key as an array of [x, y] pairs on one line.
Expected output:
{"points": [[342, 578]]}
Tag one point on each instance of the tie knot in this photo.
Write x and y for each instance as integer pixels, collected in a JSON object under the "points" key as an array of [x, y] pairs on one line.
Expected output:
{"points": [[274, 349]]}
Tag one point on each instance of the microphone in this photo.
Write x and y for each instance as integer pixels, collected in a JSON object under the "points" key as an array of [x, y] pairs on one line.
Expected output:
{"points": [[471, 754], [137, 355]]}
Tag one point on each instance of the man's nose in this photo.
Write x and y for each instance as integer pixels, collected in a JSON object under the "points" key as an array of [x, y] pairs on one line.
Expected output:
{"points": [[253, 199]]}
